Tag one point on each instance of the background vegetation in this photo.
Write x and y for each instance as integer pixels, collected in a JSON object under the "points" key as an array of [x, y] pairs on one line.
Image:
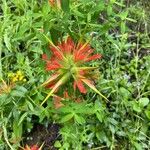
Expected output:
{"points": [[119, 30]]}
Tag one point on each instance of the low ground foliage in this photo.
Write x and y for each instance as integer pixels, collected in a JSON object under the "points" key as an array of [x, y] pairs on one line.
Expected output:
{"points": [[112, 109]]}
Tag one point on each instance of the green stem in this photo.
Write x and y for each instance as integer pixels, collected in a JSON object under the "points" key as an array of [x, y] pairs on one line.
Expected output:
{"points": [[6, 138], [5, 134], [0, 58]]}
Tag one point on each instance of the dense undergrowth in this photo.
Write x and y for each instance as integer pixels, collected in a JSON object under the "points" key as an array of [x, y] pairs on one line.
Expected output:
{"points": [[119, 31]]}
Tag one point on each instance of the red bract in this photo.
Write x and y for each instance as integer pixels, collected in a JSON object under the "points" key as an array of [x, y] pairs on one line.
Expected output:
{"points": [[52, 2], [67, 62], [55, 3], [58, 100]]}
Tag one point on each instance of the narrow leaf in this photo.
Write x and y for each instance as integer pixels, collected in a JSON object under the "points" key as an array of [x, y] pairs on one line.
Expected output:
{"points": [[65, 5], [59, 83], [22, 118], [67, 118], [79, 119], [86, 68], [87, 82], [52, 78]]}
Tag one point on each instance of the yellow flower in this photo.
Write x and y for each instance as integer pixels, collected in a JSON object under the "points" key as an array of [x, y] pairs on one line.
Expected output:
{"points": [[24, 80], [17, 76], [14, 79], [21, 78]]}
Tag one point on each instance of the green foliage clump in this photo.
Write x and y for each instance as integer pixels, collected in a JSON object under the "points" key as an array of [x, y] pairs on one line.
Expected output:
{"points": [[119, 30]]}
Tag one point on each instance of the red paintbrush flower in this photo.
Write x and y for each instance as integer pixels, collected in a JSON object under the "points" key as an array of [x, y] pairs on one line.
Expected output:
{"points": [[34, 147], [67, 62]]}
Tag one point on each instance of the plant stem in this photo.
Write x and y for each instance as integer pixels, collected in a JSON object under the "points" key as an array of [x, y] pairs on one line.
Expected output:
{"points": [[5, 134], [6, 138], [0, 58]]}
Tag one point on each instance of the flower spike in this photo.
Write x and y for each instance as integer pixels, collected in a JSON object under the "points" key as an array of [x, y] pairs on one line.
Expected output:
{"points": [[67, 62]]}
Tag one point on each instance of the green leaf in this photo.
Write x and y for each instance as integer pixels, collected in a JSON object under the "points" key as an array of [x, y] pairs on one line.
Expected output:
{"points": [[147, 112], [59, 83], [66, 146], [66, 118], [7, 41], [136, 107], [22, 89], [17, 130], [57, 144], [79, 119], [99, 116], [98, 106], [112, 1], [30, 105], [123, 15], [17, 93], [89, 17], [143, 101], [52, 78], [132, 20], [45, 9], [87, 82], [109, 10], [124, 93], [22, 118], [123, 27], [65, 5], [55, 35], [78, 13], [20, 58], [138, 146], [100, 5]]}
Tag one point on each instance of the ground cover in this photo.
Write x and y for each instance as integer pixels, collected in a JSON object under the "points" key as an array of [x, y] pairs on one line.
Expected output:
{"points": [[74, 74]]}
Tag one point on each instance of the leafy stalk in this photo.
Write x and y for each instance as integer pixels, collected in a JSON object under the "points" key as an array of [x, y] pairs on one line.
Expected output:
{"points": [[0, 58]]}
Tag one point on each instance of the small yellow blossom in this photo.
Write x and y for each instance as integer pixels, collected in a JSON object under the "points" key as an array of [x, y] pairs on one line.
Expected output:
{"points": [[24, 80], [17, 76]]}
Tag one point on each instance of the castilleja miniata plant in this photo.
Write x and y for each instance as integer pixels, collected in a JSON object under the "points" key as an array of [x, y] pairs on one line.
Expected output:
{"points": [[68, 63]]}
